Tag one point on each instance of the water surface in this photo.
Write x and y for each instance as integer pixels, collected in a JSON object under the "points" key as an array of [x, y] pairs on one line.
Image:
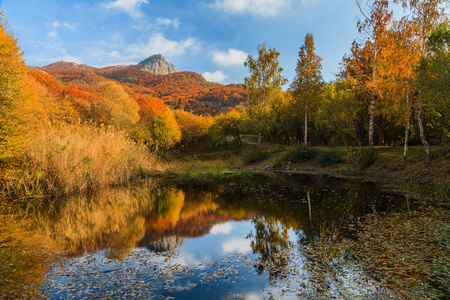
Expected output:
{"points": [[264, 237]]}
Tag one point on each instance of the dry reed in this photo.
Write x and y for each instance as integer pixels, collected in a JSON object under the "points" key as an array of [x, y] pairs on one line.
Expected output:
{"points": [[78, 158]]}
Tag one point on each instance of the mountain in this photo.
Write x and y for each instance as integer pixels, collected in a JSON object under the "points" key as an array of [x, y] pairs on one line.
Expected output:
{"points": [[157, 64], [179, 90]]}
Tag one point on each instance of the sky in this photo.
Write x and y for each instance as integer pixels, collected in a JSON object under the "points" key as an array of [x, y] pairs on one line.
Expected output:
{"points": [[210, 37]]}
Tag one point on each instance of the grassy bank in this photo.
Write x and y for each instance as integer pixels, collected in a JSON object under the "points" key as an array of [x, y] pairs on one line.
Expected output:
{"points": [[77, 158], [387, 166]]}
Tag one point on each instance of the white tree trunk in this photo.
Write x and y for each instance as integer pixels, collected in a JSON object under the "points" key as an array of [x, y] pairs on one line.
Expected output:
{"points": [[371, 121], [408, 122], [422, 129], [405, 148], [306, 125]]}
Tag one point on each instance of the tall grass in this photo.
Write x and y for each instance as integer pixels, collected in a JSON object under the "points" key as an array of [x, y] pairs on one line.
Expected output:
{"points": [[77, 158]]}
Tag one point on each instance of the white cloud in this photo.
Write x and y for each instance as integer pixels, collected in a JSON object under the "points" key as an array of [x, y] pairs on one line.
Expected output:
{"points": [[56, 24], [263, 8], [217, 76], [310, 2], [52, 33], [157, 43], [131, 7], [240, 245], [231, 57], [167, 22], [224, 228], [69, 25]]}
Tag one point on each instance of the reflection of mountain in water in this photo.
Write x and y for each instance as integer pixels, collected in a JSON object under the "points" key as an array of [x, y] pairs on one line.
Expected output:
{"points": [[193, 226], [161, 217], [166, 244]]}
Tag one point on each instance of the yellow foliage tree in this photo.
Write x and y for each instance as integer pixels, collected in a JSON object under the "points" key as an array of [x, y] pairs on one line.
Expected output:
{"points": [[14, 89], [165, 130], [113, 106], [230, 124], [193, 128]]}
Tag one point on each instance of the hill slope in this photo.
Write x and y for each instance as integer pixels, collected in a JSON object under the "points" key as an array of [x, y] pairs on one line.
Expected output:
{"points": [[180, 90]]}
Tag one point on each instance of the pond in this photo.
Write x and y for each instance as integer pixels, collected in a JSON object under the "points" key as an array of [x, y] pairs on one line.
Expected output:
{"points": [[259, 237]]}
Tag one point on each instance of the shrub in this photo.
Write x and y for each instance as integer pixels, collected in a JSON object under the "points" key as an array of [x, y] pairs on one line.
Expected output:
{"points": [[255, 156], [329, 158], [367, 158], [78, 158], [300, 154]]}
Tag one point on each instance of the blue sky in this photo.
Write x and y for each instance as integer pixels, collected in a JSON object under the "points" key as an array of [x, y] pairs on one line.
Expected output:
{"points": [[210, 37]]}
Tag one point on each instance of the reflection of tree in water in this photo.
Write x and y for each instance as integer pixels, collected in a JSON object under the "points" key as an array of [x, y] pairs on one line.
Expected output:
{"points": [[181, 213], [125, 240], [113, 219], [271, 241]]}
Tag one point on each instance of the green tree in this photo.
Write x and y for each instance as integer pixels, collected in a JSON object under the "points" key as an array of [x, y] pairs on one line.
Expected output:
{"points": [[263, 84], [340, 111], [308, 82], [426, 14], [434, 78]]}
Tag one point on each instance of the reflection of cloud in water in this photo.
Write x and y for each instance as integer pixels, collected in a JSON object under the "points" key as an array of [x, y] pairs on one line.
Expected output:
{"points": [[265, 294], [238, 245], [256, 296], [224, 228], [189, 260]]}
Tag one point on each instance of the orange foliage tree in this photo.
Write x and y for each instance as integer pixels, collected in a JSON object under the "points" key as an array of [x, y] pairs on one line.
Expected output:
{"points": [[366, 61], [14, 90]]}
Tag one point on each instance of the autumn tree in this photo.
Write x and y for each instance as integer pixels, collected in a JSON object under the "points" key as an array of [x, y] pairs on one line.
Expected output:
{"points": [[307, 84], [264, 82], [426, 14], [14, 89], [193, 128], [149, 108], [159, 121], [230, 124], [398, 68], [366, 60], [52, 98], [165, 130], [112, 105]]}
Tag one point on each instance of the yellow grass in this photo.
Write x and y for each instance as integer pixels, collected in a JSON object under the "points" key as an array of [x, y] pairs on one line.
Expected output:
{"points": [[78, 158]]}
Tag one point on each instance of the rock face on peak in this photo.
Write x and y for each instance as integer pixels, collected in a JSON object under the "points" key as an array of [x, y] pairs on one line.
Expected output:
{"points": [[157, 64]]}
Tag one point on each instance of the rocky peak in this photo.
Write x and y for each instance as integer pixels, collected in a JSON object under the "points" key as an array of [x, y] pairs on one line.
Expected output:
{"points": [[157, 64]]}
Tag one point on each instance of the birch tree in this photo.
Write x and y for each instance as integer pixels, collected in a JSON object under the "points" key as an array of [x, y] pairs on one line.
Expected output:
{"points": [[263, 84], [367, 56], [426, 14]]}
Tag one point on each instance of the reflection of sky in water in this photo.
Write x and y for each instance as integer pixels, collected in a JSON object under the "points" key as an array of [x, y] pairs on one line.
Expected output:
{"points": [[216, 265], [221, 261]]}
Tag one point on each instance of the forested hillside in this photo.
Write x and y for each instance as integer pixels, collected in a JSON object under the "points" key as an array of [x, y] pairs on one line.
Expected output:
{"points": [[180, 90]]}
